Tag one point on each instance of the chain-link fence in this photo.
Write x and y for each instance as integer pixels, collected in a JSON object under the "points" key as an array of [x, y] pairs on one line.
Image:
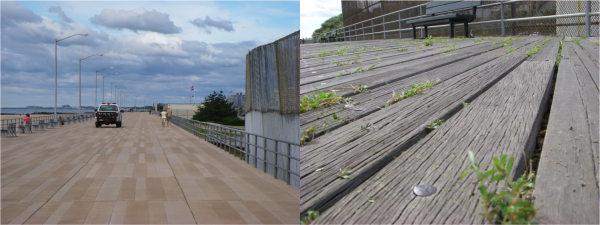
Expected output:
{"points": [[367, 20]]}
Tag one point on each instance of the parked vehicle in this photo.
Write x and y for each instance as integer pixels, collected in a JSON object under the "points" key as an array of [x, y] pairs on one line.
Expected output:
{"points": [[108, 113]]}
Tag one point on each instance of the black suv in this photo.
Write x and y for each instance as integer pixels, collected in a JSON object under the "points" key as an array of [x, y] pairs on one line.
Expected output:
{"points": [[108, 113]]}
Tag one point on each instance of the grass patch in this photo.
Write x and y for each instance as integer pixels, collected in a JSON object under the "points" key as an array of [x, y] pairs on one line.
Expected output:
{"points": [[511, 206], [420, 46], [597, 43], [360, 89], [313, 101], [428, 41], [415, 89], [584, 37], [477, 40], [509, 50], [534, 50]]}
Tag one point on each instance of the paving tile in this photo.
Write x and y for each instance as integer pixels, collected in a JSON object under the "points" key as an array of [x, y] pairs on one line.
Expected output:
{"points": [[141, 173]]}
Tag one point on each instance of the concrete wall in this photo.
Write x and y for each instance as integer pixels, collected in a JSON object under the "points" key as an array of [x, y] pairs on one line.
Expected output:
{"points": [[272, 105]]}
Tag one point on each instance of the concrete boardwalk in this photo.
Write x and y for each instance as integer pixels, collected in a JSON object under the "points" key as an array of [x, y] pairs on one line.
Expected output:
{"points": [[142, 173]]}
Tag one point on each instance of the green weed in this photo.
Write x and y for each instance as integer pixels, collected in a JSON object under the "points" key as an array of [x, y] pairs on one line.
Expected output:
{"points": [[360, 89], [420, 46], [597, 43], [509, 50], [435, 124], [312, 215], [357, 56], [313, 101], [428, 41], [477, 40], [344, 174], [416, 89], [307, 135], [511, 206], [533, 51], [584, 37], [577, 40]]}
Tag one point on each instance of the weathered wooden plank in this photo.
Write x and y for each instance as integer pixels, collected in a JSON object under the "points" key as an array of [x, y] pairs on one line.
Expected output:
{"points": [[400, 125], [589, 46], [503, 120], [387, 73], [567, 179], [378, 97]]}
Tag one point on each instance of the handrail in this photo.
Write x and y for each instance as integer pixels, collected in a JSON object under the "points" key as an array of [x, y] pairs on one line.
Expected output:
{"points": [[36, 120], [343, 29], [244, 142]]}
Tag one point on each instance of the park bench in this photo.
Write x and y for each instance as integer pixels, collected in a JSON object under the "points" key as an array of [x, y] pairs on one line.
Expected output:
{"points": [[324, 38], [333, 36], [69, 120], [446, 6], [10, 131], [42, 125], [47, 124]]}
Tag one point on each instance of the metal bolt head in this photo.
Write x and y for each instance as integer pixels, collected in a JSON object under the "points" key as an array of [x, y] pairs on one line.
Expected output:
{"points": [[424, 190]]}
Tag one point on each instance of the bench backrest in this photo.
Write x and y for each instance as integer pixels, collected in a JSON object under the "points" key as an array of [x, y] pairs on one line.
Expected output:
{"points": [[439, 6]]}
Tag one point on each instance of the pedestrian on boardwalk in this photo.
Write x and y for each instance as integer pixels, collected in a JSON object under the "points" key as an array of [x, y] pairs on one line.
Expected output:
{"points": [[25, 120], [163, 115], [169, 113]]}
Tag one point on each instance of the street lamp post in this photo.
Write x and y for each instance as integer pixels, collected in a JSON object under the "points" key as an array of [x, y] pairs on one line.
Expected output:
{"points": [[96, 94], [111, 86], [80, 59], [56, 71], [103, 84]]}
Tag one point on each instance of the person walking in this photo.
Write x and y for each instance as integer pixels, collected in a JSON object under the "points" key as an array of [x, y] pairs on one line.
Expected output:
{"points": [[163, 115], [169, 114]]}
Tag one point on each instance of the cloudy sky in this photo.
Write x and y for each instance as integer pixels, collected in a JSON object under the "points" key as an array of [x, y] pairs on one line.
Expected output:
{"points": [[159, 49], [315, 12]]}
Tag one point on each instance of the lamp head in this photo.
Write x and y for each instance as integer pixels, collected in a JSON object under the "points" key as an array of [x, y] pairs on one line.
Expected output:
{"points": [[101, 55], [85, 35]]}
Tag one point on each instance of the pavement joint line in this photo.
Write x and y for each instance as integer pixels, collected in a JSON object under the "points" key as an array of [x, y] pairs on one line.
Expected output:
{"points": [[179, 184], [116, 133]]}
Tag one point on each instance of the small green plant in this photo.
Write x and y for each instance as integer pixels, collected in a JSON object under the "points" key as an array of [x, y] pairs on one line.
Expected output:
{"points": [[402, 50], [312, 215], [362, 128], [584, 37], [325, 126], [357, 56], [313, 101], [428, 41], [360, 88], [477, 40], [435, 124], [420, 46], [358, 70], [371, 200], [411, 42], [339, 75], [323, 54], [344, 174], [577, 40], [452, 49], [533, 51], [416, 89], [396, 42], [370, 68], [511, 206], [307, 135], [465, 104], [509, 50]]}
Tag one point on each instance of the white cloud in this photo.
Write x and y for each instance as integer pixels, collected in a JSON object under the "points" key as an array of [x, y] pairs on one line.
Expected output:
{"points": [[315, 12]]}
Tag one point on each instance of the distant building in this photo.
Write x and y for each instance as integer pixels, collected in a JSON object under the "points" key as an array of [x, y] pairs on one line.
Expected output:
{"points": [[66, 106], [33, 106], [237, 100]]}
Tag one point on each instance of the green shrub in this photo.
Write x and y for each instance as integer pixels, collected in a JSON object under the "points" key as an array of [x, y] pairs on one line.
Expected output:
{"points": [[232, 121]]}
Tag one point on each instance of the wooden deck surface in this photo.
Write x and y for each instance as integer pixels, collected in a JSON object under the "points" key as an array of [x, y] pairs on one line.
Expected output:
{"points": [[502, 120], [567, 180], [400, 125], [141, 173]]}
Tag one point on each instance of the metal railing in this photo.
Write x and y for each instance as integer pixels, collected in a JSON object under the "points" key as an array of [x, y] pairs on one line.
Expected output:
{"points": [[354, 33], [47, 120], [252, 148]]}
